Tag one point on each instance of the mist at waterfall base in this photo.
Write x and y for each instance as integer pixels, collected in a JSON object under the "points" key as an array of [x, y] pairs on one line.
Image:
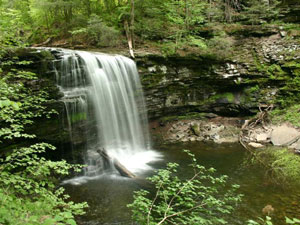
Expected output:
{"points": [[103, 97]]}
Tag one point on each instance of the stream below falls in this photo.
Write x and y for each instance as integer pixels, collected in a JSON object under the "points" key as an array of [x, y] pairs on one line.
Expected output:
{"points": [[108, 195]]}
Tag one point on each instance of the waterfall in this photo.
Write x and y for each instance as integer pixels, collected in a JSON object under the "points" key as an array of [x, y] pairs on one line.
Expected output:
{"points": [[105, 92]]}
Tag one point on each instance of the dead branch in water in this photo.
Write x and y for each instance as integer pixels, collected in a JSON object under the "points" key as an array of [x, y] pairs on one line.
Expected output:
{"points": [[121, 169]]}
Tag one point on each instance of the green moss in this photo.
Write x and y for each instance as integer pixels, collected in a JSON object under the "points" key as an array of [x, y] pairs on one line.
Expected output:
{"points": [[78, 117], [290, 92], [275, 72], [227, 95], [292, 64], [196, 130], [291, 26], [151, 80], [187, 116], [250, 94]]}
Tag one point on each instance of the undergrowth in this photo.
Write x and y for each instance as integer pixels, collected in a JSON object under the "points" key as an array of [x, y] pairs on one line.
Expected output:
{"points": [[290, 114]]}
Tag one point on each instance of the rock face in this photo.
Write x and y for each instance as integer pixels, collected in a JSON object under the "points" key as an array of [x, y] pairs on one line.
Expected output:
{"points": [[256, 72], [284, 135], [261, 63]]}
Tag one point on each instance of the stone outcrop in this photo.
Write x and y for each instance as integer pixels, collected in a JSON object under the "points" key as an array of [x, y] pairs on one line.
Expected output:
{"points": [[255, 74]]}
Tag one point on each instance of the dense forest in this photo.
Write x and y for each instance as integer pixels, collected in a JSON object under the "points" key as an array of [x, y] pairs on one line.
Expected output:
{"points": [[199, 60], [167, 24]]}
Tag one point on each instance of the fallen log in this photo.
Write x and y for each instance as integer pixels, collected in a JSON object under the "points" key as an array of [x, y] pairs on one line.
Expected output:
{"points": [[43, 43], [121, 169]]}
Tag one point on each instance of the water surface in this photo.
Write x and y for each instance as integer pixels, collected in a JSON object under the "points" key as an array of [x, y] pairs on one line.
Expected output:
{"points": [[108, 195]]}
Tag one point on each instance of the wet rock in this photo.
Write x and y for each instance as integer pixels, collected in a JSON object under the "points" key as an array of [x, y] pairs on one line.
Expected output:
{"points": [[255, 145], [192, 139], [284, 135]]}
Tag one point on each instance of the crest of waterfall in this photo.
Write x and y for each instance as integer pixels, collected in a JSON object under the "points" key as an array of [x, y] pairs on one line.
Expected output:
{"points": [[105, 91]]}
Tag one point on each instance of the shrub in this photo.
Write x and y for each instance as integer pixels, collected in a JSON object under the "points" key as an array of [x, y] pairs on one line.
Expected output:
{"points": [[28, 181], [200, 199], [98, 33], [290, 114]]}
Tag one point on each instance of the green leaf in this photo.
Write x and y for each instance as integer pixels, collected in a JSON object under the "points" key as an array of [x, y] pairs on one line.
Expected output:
{"points": [[71, 222], [289, 221]]}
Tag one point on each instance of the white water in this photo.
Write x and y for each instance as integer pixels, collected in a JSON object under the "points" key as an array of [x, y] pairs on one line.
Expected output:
{"points": [[105, 91]]}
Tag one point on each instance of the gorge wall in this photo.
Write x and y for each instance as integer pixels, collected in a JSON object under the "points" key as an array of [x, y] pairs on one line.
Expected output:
{"points": [[256, 73], [262, 68]]}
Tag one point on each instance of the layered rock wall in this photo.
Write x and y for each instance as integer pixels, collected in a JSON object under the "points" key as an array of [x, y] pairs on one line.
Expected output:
{"points": [[253, 75]]}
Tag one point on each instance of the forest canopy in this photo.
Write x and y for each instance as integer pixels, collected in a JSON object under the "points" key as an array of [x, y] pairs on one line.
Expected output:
{"points": [[102, 23]]}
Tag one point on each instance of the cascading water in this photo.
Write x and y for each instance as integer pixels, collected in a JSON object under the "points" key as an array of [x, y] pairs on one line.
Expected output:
{"points": [[105, 92]]}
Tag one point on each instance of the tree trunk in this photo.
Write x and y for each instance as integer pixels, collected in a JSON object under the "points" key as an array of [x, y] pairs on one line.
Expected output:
{"points": [[131, 26], [121, 169], [129, 38]]}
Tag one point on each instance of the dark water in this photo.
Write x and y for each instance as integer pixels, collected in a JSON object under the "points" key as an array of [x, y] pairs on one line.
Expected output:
{"points": [[109, 195]]}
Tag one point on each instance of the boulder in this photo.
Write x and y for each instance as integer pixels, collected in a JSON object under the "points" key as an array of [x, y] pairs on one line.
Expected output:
{"points": [[196, 129], [263, 137], [284, 135], [295, 146], [255, 145]]}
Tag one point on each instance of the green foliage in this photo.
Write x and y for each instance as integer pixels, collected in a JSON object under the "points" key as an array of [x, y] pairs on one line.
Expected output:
{"points": [[198, 42], [292, 221], [98, 33], [258, 12], [200, 199], [19, 104], [12, 27], [28, 189], [261, 221], [268, 221], [28, 181], [290, 114], [283, 166], [100, 23], [168, 48]]}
